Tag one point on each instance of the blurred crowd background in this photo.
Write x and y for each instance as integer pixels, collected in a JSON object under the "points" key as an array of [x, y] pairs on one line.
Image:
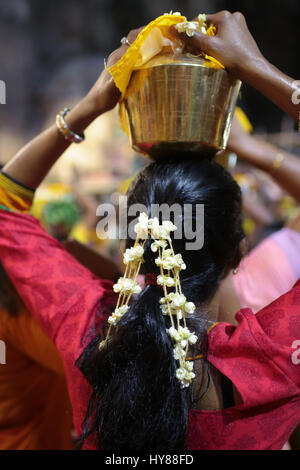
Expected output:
{"points": [[51, 52]]}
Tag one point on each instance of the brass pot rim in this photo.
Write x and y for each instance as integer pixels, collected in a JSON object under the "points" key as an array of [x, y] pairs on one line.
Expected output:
{"points": [[188, 60]]}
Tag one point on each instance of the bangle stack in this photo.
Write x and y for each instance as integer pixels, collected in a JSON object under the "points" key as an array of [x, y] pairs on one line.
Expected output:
{"points": [[64, 129]]}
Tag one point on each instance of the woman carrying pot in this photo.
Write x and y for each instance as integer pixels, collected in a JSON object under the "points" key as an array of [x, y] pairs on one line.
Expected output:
{"points": [[153, 368]]}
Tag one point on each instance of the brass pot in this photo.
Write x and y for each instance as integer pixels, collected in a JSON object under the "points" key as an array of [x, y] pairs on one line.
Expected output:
{"points": [[180, 104]]}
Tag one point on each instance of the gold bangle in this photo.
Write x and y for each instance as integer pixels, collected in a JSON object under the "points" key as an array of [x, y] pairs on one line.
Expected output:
{"points": [[277, 162]]}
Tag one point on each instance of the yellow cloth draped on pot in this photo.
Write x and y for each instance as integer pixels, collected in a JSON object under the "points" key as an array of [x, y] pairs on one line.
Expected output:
{"points": [[150, 42]]}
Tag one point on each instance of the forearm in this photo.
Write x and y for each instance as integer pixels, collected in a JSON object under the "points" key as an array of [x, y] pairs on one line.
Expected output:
{"points": [[32, 163], [264, 156], [273, 84], [98, 264]]}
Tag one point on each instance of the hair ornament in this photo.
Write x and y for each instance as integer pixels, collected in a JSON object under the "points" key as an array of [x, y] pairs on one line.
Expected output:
{"points": [[174, 304]]}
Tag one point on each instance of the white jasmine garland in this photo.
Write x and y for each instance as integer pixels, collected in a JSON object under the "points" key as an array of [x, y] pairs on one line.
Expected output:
{"points": [[169, 298], [167, 280], [118, 314], [158, 244], [164, 309], [168, 226], [186, 334], [127, 286], [169, 262], [154, 228], [173, 333], [189, 366], [180, 374], [178, 352], [134, 254], [137, 289], [189, 307], [177, 13], [142, 227], [178, 301], [173, 303], [190, 27], [167, 310], [185, 375], [179, 314], [122, 310]]}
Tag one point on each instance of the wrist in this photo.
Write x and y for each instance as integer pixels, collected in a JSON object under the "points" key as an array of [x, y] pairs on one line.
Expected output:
{"points": [[260, 154], [97, 103], [88, 109], [250, 68], [82, 115]]}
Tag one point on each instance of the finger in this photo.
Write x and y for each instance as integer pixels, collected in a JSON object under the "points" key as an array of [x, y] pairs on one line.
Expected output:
{"points": [[133, 34], [199, 41], [239, 15], [174, 31], [116, 55], [214, 18], [203, 42], [218, 18]]}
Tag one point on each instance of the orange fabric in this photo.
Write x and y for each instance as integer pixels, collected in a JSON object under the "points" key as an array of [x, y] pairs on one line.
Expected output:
{"points": [[35, 411]]}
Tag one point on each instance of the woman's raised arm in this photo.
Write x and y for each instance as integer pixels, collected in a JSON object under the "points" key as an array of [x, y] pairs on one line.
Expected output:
{"points": [[32, 163], [284, 167], [236, 49]]}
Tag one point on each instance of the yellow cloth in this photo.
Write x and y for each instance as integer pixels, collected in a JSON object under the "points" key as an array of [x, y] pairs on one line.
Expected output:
{"points": [[145, 47], [243, 120], [35, 410], [14, 196], [150, 42]]}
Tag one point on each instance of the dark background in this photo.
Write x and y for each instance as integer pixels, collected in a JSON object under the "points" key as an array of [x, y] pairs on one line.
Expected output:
{"points": [[52, 49]]}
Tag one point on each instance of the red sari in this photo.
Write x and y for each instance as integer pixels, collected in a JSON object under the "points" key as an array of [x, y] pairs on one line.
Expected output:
{"points": [[259, 355]]}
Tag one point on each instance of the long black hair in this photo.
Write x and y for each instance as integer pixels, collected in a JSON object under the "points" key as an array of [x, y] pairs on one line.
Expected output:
{"points": [[137, 403]]}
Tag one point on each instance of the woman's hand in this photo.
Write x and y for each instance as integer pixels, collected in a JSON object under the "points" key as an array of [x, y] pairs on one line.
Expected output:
{"points": [[104, 95], [233, 44], [236, 49]]}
